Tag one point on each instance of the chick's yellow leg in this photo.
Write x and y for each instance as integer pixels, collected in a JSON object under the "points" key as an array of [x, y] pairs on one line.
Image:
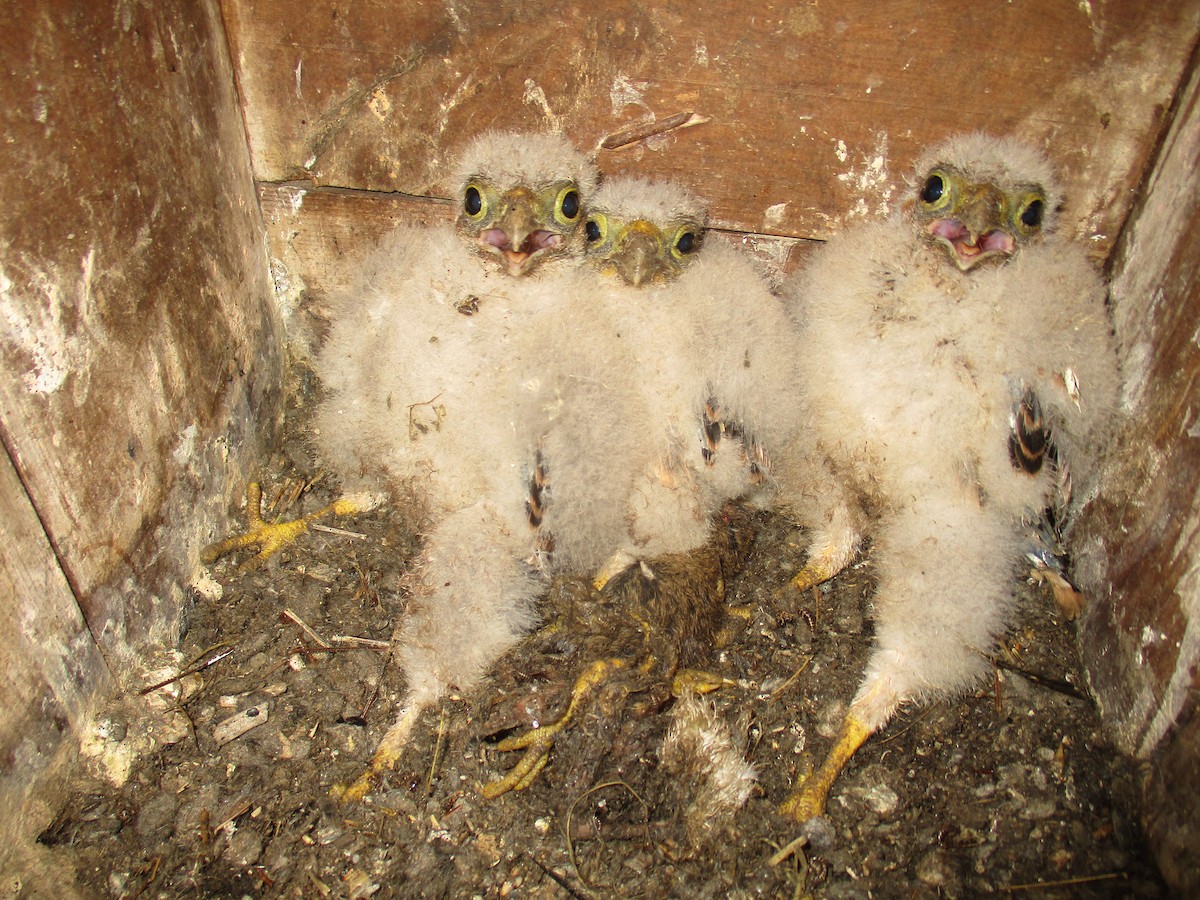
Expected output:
{"points": [[824, 563], [696, 681], [537, 741], [384, 759], [270, 537], [614, 566], [809, 800]]}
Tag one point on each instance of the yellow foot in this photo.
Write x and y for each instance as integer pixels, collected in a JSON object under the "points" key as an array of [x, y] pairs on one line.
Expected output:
{"points": [[270, 537], [822, 565], [809, 800], [616, 564], [384, 759], [537, 741], [694, 681]]}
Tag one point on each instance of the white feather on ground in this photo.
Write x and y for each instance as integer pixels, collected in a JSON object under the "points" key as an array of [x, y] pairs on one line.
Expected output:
{"points": [[699, 748]]}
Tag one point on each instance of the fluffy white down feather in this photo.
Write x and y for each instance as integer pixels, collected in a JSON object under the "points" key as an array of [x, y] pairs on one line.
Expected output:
{"points": [[716, 332], [458, 405], [911, 372]]}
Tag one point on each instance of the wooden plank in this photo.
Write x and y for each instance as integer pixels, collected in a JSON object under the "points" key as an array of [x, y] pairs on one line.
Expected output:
{"points": [[1140, 640], [814, 110], [50, 668], [138, 332]]}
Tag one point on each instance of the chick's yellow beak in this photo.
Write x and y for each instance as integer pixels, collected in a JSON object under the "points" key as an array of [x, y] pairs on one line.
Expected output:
{"points": [[639, 257]]}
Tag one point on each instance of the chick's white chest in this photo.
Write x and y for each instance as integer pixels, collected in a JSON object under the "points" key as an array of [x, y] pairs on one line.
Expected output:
{"points": [[916, 364]]}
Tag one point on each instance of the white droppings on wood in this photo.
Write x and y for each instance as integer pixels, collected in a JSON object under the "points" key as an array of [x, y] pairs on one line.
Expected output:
{"points": [[868, 178], [535, 96], [185, 447], [1179, 687], [37, 326], [380, 104], [625, 92], [294, 196]]}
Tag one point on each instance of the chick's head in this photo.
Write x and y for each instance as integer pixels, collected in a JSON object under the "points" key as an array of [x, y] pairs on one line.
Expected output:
{"points": [[521, 199], [980, 199], [644, 232]]}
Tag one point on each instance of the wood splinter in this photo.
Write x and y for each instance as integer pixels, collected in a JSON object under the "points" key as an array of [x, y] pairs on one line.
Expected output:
{"points": [[631, 134]]}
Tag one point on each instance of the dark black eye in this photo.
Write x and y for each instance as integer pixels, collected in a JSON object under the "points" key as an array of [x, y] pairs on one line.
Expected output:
{"points": [[593, 230], [686, 242], [473, 203], [933, 189], [1032, 217], [570, 204]]}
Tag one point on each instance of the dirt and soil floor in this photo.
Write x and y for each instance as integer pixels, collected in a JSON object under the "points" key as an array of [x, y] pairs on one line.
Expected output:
{"points": [[1010, 789]]}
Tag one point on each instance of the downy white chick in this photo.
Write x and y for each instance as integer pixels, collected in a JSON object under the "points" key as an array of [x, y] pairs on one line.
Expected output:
{"points": [[714, 352], [957, 359], [465, 367]]}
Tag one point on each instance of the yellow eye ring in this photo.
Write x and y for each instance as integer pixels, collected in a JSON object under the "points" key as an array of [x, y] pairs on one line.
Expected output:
{"points": [[475, 203], [687, 241], [1030, 213], [596, 230], [568, 206], [937, 190]]}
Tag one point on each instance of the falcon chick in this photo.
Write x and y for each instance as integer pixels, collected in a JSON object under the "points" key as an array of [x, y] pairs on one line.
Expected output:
{"points": [[713, 349], [959, 372], [464, 366], [520, 214]]}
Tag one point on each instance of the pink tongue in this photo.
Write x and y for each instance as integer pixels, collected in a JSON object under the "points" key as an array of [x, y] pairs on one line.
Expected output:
{"points": [[540, 240], [996, 241], [956, 233], [496, 237], [950, 229], [537, 240]]}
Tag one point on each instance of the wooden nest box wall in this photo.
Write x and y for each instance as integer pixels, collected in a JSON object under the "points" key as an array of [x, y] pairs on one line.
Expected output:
{"points": [[183, 181]]}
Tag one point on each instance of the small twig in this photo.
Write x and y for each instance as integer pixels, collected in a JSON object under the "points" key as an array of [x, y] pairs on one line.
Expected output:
{"points": [[303, 626], [378, 681], [1053, 684], [240, 807], [340, 532], [1065, 882], [795, 850], [787, 850], [154, 865], [191, 669], [558, 879], [631, 134], [354, 641], [321, 887], [326, 648], [783, 687], [437, 752]]}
